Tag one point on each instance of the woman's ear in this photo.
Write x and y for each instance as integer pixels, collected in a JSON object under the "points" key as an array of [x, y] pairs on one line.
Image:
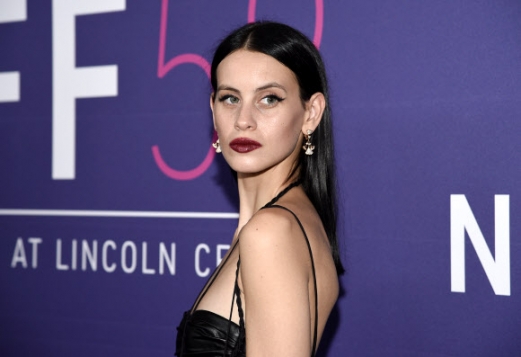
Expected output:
{"points": [[314, 109]]}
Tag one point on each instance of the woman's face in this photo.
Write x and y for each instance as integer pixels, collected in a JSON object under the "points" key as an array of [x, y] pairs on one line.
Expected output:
{"points": [[258, 113]]}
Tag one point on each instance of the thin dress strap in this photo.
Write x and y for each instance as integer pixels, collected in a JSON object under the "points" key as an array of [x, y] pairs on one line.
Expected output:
{"points": [[216, 272], [209, 283], [238, 291]]}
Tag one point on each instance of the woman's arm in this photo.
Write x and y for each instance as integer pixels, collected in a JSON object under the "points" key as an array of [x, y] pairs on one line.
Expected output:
{"points": [[275, 272]]}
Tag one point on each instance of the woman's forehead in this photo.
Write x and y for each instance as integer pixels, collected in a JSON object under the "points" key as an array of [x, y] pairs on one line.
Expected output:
{"points": [[253, 69]]}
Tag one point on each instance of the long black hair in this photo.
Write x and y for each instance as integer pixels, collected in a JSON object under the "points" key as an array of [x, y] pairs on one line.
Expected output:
{"points": [[295, 51]]}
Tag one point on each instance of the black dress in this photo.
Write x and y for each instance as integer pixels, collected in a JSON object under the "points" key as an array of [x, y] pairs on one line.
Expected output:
{"points": [[203, 333]]}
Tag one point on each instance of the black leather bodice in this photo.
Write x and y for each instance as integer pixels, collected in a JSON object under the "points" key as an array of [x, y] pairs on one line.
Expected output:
{"points": [[206, 334]]}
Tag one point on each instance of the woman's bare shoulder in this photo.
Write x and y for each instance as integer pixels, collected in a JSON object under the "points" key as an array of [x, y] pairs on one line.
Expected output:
{"points": [[275, 282], [270, 228]]}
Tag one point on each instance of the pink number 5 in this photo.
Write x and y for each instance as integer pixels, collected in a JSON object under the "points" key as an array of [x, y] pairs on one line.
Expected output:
{"points": [[162, 69]]}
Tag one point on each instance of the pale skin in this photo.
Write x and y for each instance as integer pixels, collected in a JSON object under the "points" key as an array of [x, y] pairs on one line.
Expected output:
{"points": [[258, 98]]}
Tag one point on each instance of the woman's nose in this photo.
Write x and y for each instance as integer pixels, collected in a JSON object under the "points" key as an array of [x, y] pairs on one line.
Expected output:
{"points": [[245, 118]]}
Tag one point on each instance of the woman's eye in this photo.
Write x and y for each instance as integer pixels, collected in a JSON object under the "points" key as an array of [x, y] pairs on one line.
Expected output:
{"points": [[271, 100], [229, 99]]}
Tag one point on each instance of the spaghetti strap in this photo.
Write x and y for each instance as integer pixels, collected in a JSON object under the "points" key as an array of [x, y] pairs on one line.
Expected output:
{"points": [[180, 346], [202, 331], [210, 281], [238, 291]]}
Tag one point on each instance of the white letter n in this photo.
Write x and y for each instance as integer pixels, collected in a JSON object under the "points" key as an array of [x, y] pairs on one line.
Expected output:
{"points": [[70, 82], [497, 269]]}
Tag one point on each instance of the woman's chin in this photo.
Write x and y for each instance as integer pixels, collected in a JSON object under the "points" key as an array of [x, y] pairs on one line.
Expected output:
{"points": [[244, 166]]}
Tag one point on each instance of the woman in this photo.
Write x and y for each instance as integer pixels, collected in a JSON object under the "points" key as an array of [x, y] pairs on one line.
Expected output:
{"points": [[273, 292]]}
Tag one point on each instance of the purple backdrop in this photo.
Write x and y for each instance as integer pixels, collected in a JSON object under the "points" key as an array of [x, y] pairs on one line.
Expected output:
{"points": [[113, 208]]}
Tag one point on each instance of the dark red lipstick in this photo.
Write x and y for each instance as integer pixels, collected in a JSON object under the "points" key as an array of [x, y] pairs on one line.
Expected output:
{"points": [[244, 145]]}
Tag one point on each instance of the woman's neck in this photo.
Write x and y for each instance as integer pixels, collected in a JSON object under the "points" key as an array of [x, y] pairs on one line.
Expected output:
{"points": [[255, 191]]}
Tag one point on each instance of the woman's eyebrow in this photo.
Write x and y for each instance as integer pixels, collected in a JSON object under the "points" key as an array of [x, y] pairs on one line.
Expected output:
{"points": [[271, 85], [266, 86], [225, 87]]}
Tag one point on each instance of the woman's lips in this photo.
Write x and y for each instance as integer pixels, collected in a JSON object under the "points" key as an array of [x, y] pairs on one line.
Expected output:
{"points": [[243, 145]]}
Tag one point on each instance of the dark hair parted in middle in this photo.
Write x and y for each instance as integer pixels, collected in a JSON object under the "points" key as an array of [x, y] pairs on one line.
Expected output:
{"points": [[295, 51]]}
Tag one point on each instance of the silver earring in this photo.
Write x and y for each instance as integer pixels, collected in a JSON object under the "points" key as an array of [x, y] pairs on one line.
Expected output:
{"points": [[217, 146], [308, 147]]}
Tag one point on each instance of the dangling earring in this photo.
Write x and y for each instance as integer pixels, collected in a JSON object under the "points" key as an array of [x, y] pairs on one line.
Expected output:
{"points": [[308, 147], [217, 146]]}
